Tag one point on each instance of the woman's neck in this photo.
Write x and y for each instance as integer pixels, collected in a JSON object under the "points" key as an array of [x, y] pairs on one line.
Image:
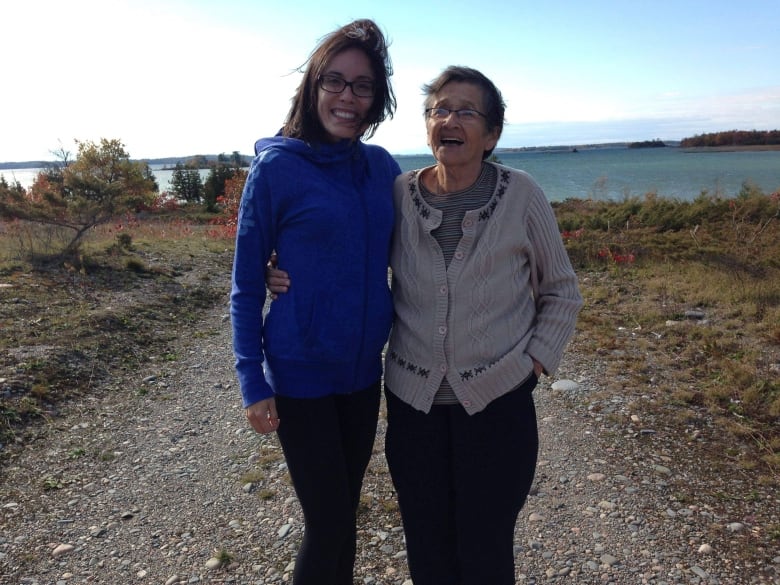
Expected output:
{"points": [[442, 180]]}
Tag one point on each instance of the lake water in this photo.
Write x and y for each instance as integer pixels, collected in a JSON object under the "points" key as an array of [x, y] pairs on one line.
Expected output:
{"points": [[613, 173], [607, 173]]}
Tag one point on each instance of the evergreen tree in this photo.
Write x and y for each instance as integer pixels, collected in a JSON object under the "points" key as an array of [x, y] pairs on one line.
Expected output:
{"points": [[220, 173], [187, 184]]}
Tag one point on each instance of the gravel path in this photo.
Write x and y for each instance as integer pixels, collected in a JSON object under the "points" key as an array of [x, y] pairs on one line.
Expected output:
{"points": [[159, 480]]}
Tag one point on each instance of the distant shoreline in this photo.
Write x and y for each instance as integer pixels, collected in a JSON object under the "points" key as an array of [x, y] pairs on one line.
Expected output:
{"points": [[10, 166], [752, 147]]}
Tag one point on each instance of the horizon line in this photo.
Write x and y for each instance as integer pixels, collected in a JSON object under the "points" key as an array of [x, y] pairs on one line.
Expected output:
{"points": [[497, 149]]}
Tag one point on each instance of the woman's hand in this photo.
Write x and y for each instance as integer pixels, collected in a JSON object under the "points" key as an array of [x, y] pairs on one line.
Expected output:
{"points": [[276, 281], [262, 416], [538, 369]]}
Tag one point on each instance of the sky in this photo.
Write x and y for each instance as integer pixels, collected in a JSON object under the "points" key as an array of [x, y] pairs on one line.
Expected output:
{"points": [[174, 78]]}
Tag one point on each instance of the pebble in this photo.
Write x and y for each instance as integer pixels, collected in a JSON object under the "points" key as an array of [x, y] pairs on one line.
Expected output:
{"points": [[62, 549], [608, 560]]}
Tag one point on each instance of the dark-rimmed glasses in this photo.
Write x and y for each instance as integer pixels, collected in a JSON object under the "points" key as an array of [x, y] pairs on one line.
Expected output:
{"points": [[336, 84], [464, 114]]}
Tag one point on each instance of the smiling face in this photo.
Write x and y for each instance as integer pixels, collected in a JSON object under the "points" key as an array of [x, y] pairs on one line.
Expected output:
{"points": [[457, 142], [343, 114]]}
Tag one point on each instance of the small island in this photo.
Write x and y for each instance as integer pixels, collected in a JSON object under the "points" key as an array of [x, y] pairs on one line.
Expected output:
{"points": [[657, 143]]}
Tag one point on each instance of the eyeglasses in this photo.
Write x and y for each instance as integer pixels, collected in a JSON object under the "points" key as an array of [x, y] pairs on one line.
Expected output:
{"points": [[464, 115], [335, 84]]}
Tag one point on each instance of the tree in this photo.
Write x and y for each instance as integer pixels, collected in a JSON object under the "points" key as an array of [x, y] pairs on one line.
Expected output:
{"points": [[733, 138], [230, 202], [7, 190], [187, 184], [99, 185], [222, 171]]}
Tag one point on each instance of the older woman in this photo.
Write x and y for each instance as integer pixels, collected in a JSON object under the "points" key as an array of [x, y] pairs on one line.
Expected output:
{"points": [[485, 301]]}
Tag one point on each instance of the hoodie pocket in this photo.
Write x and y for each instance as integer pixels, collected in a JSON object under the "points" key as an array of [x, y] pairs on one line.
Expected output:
{"points": [[330, 331]]}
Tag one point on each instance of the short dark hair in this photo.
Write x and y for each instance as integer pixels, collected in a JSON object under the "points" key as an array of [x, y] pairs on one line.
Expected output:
{"points": [[302, 119], [493, 101]]}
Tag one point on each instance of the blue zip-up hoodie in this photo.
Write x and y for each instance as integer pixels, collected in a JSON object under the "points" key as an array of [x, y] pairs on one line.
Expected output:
{"points": [[327, 210]]}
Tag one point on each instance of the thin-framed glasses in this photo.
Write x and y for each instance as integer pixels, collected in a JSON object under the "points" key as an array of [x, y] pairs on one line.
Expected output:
{"points": [[336, 84], [464, 114]]}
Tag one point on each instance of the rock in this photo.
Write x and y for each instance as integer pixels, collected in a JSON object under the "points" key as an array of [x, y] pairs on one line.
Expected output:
{"points": [[608, 560], [695, 315], [62, 549], [565, 385]]}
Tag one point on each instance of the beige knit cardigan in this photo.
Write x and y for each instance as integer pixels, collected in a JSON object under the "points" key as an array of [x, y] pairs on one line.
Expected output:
{"points": [[509, 293]]}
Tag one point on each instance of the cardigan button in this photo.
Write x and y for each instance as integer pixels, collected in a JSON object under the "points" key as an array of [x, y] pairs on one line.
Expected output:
{"points": [[443, 367], [467, 403], [459, 255], [443, 290], [442, 330]]}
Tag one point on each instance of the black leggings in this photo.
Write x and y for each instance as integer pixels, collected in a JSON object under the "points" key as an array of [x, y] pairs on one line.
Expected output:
{"points": [[327, 443], [461, 482]]}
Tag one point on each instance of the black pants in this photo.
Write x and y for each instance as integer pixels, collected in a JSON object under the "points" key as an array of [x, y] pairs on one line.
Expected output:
{"points": [[327, 443], [461, 482]]}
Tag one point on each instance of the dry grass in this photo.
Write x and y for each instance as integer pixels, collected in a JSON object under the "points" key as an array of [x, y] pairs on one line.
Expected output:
{"points": [[69, 323], [643, 264], [689, 318]]}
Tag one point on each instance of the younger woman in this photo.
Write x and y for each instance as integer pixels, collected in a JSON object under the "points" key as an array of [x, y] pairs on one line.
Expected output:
{"points": [[311, 368]]}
